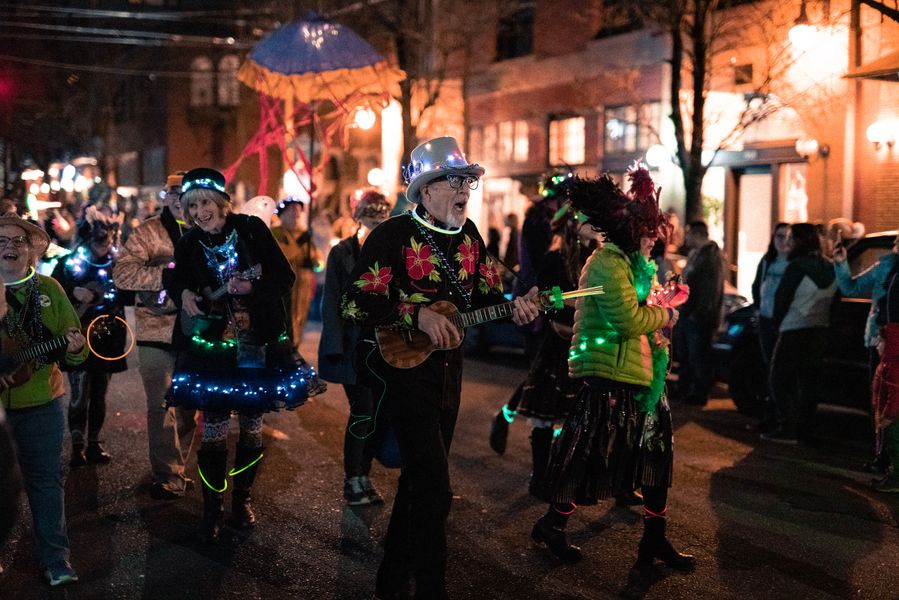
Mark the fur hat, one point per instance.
(434, 159)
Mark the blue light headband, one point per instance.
(209, 184)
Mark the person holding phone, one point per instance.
(871, 282)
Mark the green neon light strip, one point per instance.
(203, 477)
(509, 415)
(362, 419)
(232, 472)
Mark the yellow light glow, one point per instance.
(365, 118)
(376, 177)
(803, 36)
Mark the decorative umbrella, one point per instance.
(306, 63)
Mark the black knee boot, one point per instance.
(549, 531)
(246, 465)
(655, 545)
(541, 443)
(212, 465)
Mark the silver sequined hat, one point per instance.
(433, 159)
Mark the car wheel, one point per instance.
(747, 379)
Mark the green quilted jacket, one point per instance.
(610, 329)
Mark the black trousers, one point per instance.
(796, 376)
(423, 405)
(360, 441)
(87, 406)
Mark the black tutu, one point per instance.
(548, 392)
(608, 447)
(213, 381)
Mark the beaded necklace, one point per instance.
(451, 275)
(30, 317)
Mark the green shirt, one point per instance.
(58, 315)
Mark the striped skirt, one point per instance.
(608, 447)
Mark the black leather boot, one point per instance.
(541, 443)
(212, 465)
(655, 545)
(78, 459)
(499, 430)
(97, 454)
(549, 531)
(246, 465)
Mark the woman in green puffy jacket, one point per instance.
(619, 435)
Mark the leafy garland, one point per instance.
(647, 399)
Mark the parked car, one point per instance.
(738, 358)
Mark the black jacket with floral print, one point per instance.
(400, 269)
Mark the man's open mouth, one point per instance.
(10, 256)
(460, 205)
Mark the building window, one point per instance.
(743, 74)
(476, 144)
(506, 141)
(201, 82)
(521, 142)
(515, 32)
(228, 85)
(618, 16)
(490, 144)
(566, 141)
(631, 128)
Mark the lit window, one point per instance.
(476, 143)
(490, 144)
(506, 141)
(566, 141)
(521, 141)
(228, 85)
(201, 80)
(632, 128)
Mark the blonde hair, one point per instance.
(198, 194)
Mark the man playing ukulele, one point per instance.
(408, 263)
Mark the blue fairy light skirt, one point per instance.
(242, 389)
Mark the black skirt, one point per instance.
(608, 447)
(548, 392)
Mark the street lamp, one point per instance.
(803, 33)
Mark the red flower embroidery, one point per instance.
(420, 261)
(467, 256)
(375, 281)
(404, 308)
(491, 278)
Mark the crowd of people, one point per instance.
(221, 300)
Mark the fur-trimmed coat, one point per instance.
(140, 267)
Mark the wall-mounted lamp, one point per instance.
(810, 148)
(883, 131)
(364, 118)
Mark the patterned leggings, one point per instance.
(216, 425)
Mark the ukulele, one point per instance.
(18, 361)
(200, 324)
(408, 348)
(671, 295)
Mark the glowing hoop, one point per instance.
(87, 338)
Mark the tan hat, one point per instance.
(40, 241)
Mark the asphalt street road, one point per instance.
(764, 521)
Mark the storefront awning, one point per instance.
(885, 68)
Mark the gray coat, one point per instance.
(339, 337)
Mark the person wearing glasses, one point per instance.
(408, 263)
(39, 312)
(145, 264)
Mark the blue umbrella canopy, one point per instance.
(315, 59)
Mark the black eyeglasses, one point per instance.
(457, 181)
